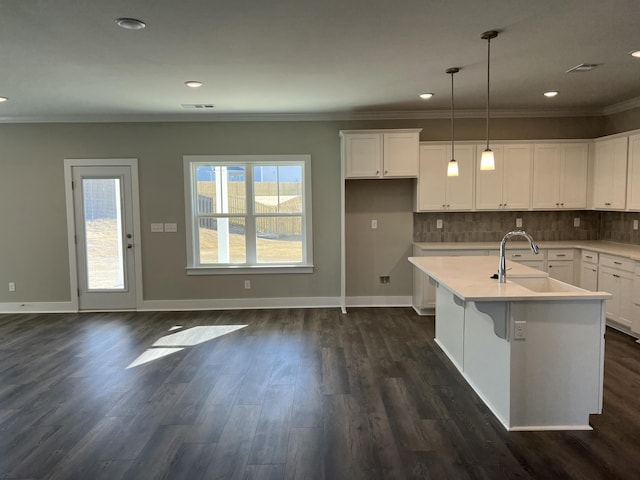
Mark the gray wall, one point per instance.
(33, 238)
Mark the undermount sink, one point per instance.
(545, 284)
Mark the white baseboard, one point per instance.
(380, 301)
(38, 307)
(239, 303)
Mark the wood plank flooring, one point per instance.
(292, 394)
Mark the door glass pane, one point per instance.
(279, 239)
(102, 206)
(222, 240)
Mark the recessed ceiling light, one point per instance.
(550, 94)
(193, 84)
(3, 99)
(426, 96)
(635, 53)
(130, 23)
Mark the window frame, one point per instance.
(190, 162)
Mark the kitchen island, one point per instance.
(532, 348)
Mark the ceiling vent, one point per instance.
(197, 106)
(583, 67)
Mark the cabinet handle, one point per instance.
(561, 255)
(618, 263)
(550, 266)
(448, 205)
(616, 276)
(588, 256)
(516, 255)
(562, 204)
(594, 270)
(386, 171)
(377, 172)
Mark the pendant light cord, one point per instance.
(488, 77)
(452, 116)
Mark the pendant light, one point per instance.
(487, 161)
(452, 166)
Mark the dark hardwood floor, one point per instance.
(294, 394)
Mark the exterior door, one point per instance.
(104, 237)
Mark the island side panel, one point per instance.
(487, 355)
(450, 325)
(556, 371)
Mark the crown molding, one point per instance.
(622, 106)
(319, 116)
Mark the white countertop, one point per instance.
(612, 248)
(469, 279)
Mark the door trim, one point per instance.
(132, 163)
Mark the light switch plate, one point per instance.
(576, 222)
(439, 223)
(171, 227)
(157, 228)
(374, 224)
(635, 224)
(519, 222)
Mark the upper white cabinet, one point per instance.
(508, 186)
(610, 174)
(560, 176)
(435, 191)
(380, 153)
(633, 177)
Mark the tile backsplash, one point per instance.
(556, 225)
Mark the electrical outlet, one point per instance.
(635, 224)
(439, 223)
(519, 222)
(521, 330)
(576, 222)
(247, 284)
(374, 224)
(12, 286)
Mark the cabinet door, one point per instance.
(459, 194)
(489, 182)
(431, 186)
(363, 155)
(573, 176)
(610, 173)
(589, 277)
(633, 180)
(625, 314)
(546, 176)
(561, 270)
(607, 282)
(516, 183)
(400, 158)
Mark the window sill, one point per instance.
(245, 270)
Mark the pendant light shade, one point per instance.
(487, 161)
(452, 167)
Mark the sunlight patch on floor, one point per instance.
(175, 342)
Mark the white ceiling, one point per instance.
(67, 60)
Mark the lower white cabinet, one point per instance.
(589, 277)
(560, 264)
(619, 283)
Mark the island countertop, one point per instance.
(469, 279)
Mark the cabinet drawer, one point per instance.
(589, 257)
(522, 255)
(560, 254)
(620, 263)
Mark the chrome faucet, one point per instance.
(502, 269)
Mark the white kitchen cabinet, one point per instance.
(560, 264)
(380, 153)
(635, 302)
(615, 275)
(508, 186)
(434, 190)
(610, 174)
(589, 270)
(560, 176)
(633, 174)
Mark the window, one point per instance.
(248, 213)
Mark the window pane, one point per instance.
(278, 189)
(220, 189)
(103, 233)
(279, 239)
(222, 240)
